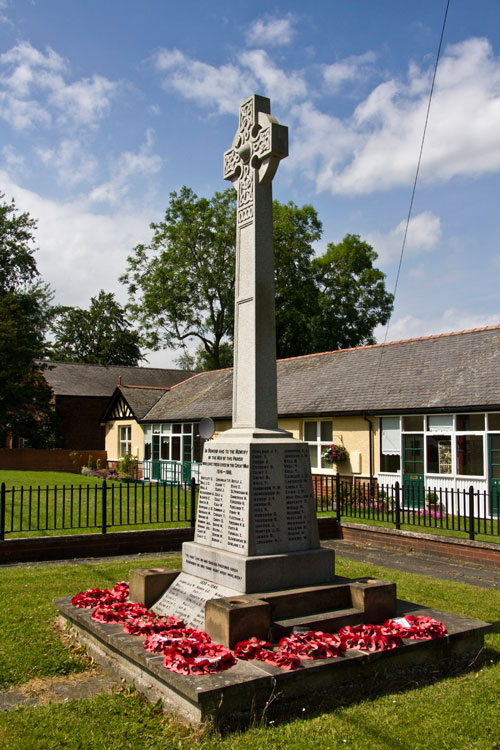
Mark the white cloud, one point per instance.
(13, 159)
(423, 236)
(22, 114)
(80, 252)
(320, 144)
(283, 88)
(35, 90)
(85, 101)
(71, 161)
(224, 88)
(349, 69)
(452, 319)
(377, 148)
(127, 165)
(271, 32)
(220, 88)
(3, 5)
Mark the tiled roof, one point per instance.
(443, 373)
(140, 399)
(72, 379)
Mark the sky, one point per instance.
(108, 107)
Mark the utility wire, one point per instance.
(416, 179)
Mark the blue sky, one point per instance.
(106, 107)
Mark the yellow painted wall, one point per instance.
(222, 427)
(113, 438)
(291, 425)
(352, 431)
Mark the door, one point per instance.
(155, 459)
(494, 452)
(413, 471)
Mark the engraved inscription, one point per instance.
(224, 499)
(297, 491)
(186, 598)
(267, 490)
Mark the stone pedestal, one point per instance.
(256, 527)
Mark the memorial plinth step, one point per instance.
(310, 567)
(273, 615)
(327, 622)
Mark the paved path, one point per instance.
(416, 562)
(412, 562)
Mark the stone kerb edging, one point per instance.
(452, 548)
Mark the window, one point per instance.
(494, 422)
(470, 422)
(440, 423)
(437, 444)
(178, 441)
(319, 434)
(125, 440)
(439, 454)
(470, 455)
(390, 444)
(413, 423)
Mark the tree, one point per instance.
(17, 263)
(25, 398)
(352, 298)
(295, 230)
(182, 283)
(26, 408)
(100, 335)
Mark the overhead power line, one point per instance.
(416, 176)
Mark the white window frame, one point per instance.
(431, 428)
(319, 444)
(166, 431)
(124, 440)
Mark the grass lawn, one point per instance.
(21, 478)
(53, 503)
(458, 712)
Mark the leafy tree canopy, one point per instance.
(181, 285)
(352, 298)
(100, 335)
(25, 398)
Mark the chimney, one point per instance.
(119, 379)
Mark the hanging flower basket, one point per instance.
(335, 454)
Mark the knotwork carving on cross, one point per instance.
(258, 146)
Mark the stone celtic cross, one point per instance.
(250, 164)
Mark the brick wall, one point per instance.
(79, 421)
(444, 547)
(31, 459)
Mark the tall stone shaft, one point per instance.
(258, 146)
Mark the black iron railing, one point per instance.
(101, 507)
(116, 505)
(469, 511)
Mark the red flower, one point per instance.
(197, 658)
(249, 649)
(119, 612)
(312, 645)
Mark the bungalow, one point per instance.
(423, 412)
(81, 393)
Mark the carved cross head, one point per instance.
(260, 142)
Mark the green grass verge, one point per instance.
(45, 479)
(50, 504)
(458, 712)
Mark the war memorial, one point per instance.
(256, 568)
